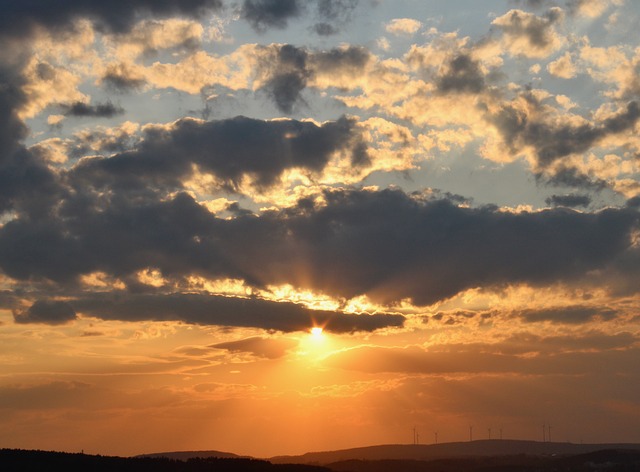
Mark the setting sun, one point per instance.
(316, 332)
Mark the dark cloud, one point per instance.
(452, 318)
(462, 75)
(48, 312)
(553, 141)
(12, 129)
(262, 347)
(331, 15)
(265, 14)
(291, 68)
(390, 247)
(99, 141)
(120, 78)
(634, 202)
(351, 60)
(383, 244)
(289, 78)
(568, 315)
(205, 309)
(27, 185)
(571, 201)
(230, 149)
(19, 18)
(571, 177)
(100, 110)
(325, 29)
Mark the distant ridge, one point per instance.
(422, 452)
(607, 460)
(186, 455)
(19, 460)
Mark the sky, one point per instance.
(450, 190)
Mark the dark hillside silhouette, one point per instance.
(16, 460)
(427, 452)
(606, 460)
(186, 455)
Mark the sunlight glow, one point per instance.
(316, 332)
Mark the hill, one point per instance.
(610, 460)
(420, 452)
(186, 455)
(604, 460)
(17, 460)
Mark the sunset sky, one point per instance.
(450, 189)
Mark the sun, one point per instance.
(316, 332)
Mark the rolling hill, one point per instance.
(496, 447)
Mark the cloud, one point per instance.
(205, 309)
(289, 69)
(634, 202)
(568, 315)
(588, 8)
(118, 16)
(403, 26)
(231, 150)
(324, 29)
(100, 110)
(48, 312)
(480, 358)
(289, 77)
(149, 37)
(12, 97)
(338, 60)
(563, 67)
(564, 176)
(122, 78)
(333, 15)
(526, 123)
(264, 14)
(612, 65)
(23, 174)
(269, 348)
(41, 78)
(384, 244)
(9, 300)
(529, 35)
(463, 75)
(44, 396)
(571, 201)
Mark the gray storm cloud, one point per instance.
(384, 244)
